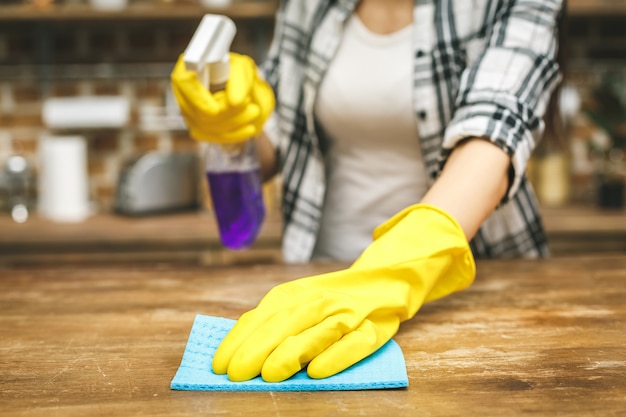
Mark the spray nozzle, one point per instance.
(207, 52)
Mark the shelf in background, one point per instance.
(596, 7)
(238, 10)
(136, 11)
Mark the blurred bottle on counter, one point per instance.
(551, 161)
(552, 176)
(18, 188)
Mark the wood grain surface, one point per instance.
(536, 338)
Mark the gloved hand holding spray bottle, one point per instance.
(227, 119)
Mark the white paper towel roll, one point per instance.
(63, 191)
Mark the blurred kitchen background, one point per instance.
(86, 109)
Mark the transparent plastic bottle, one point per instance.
(233, 173)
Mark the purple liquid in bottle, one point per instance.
(238, 204)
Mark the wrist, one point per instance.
(473, 182)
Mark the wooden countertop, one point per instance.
(541, 338)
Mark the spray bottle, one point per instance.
(232, 171)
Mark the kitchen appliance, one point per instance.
(158, 182)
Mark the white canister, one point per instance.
(109, 5)
(63, 189)
(217, 4)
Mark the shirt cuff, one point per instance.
(502, 127)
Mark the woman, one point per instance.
(419, 116)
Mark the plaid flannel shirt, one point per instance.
(482, 68)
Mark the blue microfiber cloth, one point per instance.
(383, 369)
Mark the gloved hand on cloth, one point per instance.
(230, 116)
(331, 321)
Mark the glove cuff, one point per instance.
(426, 232)
(383, 228)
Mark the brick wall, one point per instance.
(130, 58)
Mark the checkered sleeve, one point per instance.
(504, 94)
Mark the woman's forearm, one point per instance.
(472, 183)
(470, 187)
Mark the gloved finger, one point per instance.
(238, 135)
(354, 346)
(193, 97)
(249, 347)
(185, 107)
(263, 95)
(247, 362)
(296, 351)
(247, 324)
(241, 79)
(245, 115)
(235, 337)
(180, 73)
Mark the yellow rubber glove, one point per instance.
(331, 321)
(233, 115)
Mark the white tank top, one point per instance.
(374, 163)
